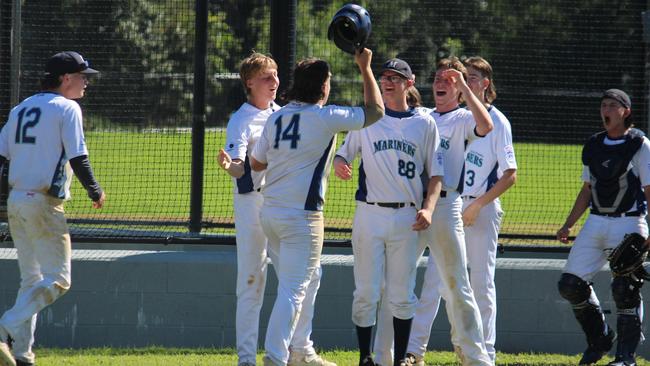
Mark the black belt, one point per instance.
(622, 214)
(469, 197)
(392, 204)
(443, 194)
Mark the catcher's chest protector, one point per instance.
(614, 187)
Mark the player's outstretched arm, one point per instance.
(579, 207)
(234, 167)
(342, 168)
(507, 180)
(373, 104)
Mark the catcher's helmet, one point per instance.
(350, 28)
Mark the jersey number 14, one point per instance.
(289, 134)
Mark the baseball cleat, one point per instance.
(621, 362)
(23, 363)
(596, 351)
(6, 358)
(413, 360)
(368, 361)
(300, 359)
(268, 361)
(246, 364)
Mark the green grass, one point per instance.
(147, 176)
(227, 357)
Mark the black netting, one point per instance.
(551, 59)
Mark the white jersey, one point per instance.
(395, 151)
(42, 134)
(487, 158)
(456, 127)
(244, 128)
(298, 144)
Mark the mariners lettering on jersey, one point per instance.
(444, 142)
(474, 158)
(400, 145)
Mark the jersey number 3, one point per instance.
(31, 118)
(289, 134)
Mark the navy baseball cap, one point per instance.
(619, 96)
(67, 62)
(398, 66)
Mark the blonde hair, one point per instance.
(254, 64)
(484, 67)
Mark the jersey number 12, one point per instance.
(31, 119)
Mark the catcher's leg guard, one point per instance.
(626, 294)
(587, 311)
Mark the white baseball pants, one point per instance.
(482, 240)
(600, 233)
(251, 272)
(446, 240)
(40, 235)
(295, 242)
(384, 247)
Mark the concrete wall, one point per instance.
(187, 299)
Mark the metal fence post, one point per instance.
(283, 39)
(199, 117)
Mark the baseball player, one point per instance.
(490, 169)
(395, 153)
(296, 148)
(259, 76)
(616, 189)
(44, 141)
(445, 237)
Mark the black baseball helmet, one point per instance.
(350, 28)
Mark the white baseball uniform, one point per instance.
(42, 134)
(485, 160)
(446, 241)
(395, 152)
(298, 145)
(244, 128)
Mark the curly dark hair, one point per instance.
(309, 76)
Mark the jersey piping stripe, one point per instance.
(245, 183)
(362, 190)
(314, 200)
(395, 114)
(640, 199)
(57, 187)
(443, 113)
(461, 181)
(492, 177)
